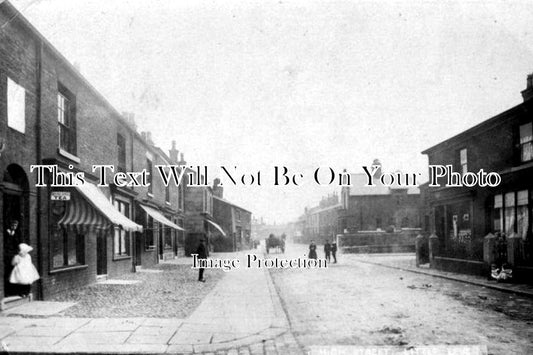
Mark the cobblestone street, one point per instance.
(356, 303)
(174, 292)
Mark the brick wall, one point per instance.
(18, 61)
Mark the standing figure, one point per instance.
(327, 250)
(24, 273)
(312, 250)
(202, 254)
(334, 251)
(12, 239)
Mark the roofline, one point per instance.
(485, 124)
(70, 67)
(230, 203)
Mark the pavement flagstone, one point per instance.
(242, 314)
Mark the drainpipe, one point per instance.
(38, 153)
(134, 235)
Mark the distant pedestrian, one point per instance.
(334, 251)
(24, 273)
(202, 254)
(327, 250)
(312, 250)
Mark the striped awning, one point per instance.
(158, 216)
(82, 216)
(219, 228)
(95, 211)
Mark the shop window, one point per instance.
(67, 244)
(66, 121)
(526, 142)
(167, 233)
(149, 233)
(121, 240)
(16, 106)
(522, 214)
(498, 213)
(509, 213)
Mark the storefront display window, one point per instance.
(509, 213)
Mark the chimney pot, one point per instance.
(528, 92)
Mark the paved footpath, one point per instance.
(242, 315)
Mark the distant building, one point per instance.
(235, 221)
(380, 207)
(321, 222)
(462, 216)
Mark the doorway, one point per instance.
(15, 219)
(101, 253)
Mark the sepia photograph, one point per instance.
(266, 177)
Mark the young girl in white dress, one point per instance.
(24, 273)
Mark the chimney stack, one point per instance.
(182, 160)
(378, 171)
(528, 92)
(173, 153)
(218, 190)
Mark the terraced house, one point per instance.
(50, 114)
(466, 218)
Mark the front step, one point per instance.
(14, 301)
(101, 277)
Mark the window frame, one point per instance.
(66, 120)
(150, 169)
(117, 203)
(529, 142)
(121, 153)
(64, 235)
(463, 163)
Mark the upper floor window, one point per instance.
(121, 147)
(238, 215)
(16, 106)
(167, 193)
(66, 122)
(149, 170)
(464, 161)
(181, 192)
(526, 142)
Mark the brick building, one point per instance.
(462, 216)
(380, 207)
(234, 220)
(50, 114)
(321, 222)
(199, 220)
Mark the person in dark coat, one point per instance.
(327, 250)
(334, 251)
(202, 254)
(12, 239)
(312, 250)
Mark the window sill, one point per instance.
(68, 155)
(150, 249)
(68, 268)
(167, 203)
(121, 257)
(149, 194)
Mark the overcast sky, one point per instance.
(297, 83)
